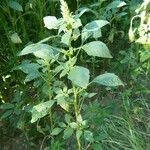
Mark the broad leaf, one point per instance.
(76, 23)
(41, 110)
(95, 25)
(97, 146)
(108, 79)
(6, 114)
(15, 38)
(66, 37)
(97, 48)
(81, 11)
(67, 132)
(115, 4)
(144, 55)
(15, 5)
(79, 133)
(56, 131)
(73, 125)
(50, 22)
(43, 51)
(79, 76)
(31, 69)
(7, 106)
(88, 135)
(63, 103)
(67, 118)
(92, 28)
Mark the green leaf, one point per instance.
(73, 125)
(77, 23)
(97, 146)
(43, 51)
(31, 69)
(97, 48)
(79, 76)
(7, 106)
(50, 22)
(41, 110)
(88, 135)
(15, 5)
(56, 131)
(108, 79)
(63, 104)
(67, 118)
(62, 124)
(145, 55)
(81, 11)
(76, 34)
(79, 133)
(67, 132)
(95, 25)
(6, 114)
(15, 38)
(115, 4)
(66, 38)
(92, 28)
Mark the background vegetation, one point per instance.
(113, 118)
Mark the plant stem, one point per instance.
(50, 96)
(77, 113)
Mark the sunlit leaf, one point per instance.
(79, 76)
(66, 38)
(108, 79)
(115, 4)
(50, 22)
(43, 51)
(63, 103)
(41, 110)
(31, 69)
(97, 48)
(92, 28)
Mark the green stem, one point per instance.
(77, 113)
(50, 96)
